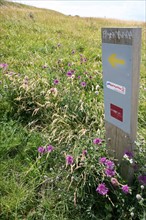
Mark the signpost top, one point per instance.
(119, 35)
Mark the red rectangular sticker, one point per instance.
(116, 112)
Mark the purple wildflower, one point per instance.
(73, 51)
(56, 81)
(69, 74)
(109, 164)
(84, 152)
(102, 189)
(69, 64)
(49, 148)
(109, 173)
(97, 141)
(69, 160)
(125, 189)
(41, 150)
(83, 84)
(129, 154)
(3, 65)
(79, 77)
(102, 160)
(142, 179)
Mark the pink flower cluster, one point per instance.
(103, 190)
(109, 166)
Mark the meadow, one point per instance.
(53, 154)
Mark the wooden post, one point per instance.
(121, 66)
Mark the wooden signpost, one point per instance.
(121, 66)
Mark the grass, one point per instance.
(40, 46)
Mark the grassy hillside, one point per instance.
(51, 106)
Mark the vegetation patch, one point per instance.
(54, 159)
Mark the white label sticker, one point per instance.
(115, 87)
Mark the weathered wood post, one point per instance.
(121, 66)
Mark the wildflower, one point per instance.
(3, 65)
(84, 152)
(69, 64)
(142, 179)
(56, 81)
(132, 214)
(79, 77)
(53, 90)
(50, 148)
(142, 186)
(73, 51)
(69, 160)
(109, 164)
(125, 189)
(114, 181)
(83, 84)
(102, 189)
(129, 154)
(102, 160)
(97, 141)
(109, 173)
(41, 150)
(69, 73)
(138, 196)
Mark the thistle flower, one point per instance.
(3, 65)
(84, 152)
(102, 160)
(56, 81)
(41, 150)
(83, 84)
(69, 160)
(69, 73)
(97, 141)
(126, 189)
(50, 148)
(109, 173)
(142, 179)
(129, 154)
(102, 189)
(109, 164)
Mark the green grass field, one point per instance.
(51, 93)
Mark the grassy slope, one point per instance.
(29, 39)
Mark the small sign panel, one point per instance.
(116, 112)
(116, 87)
(117, 80)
